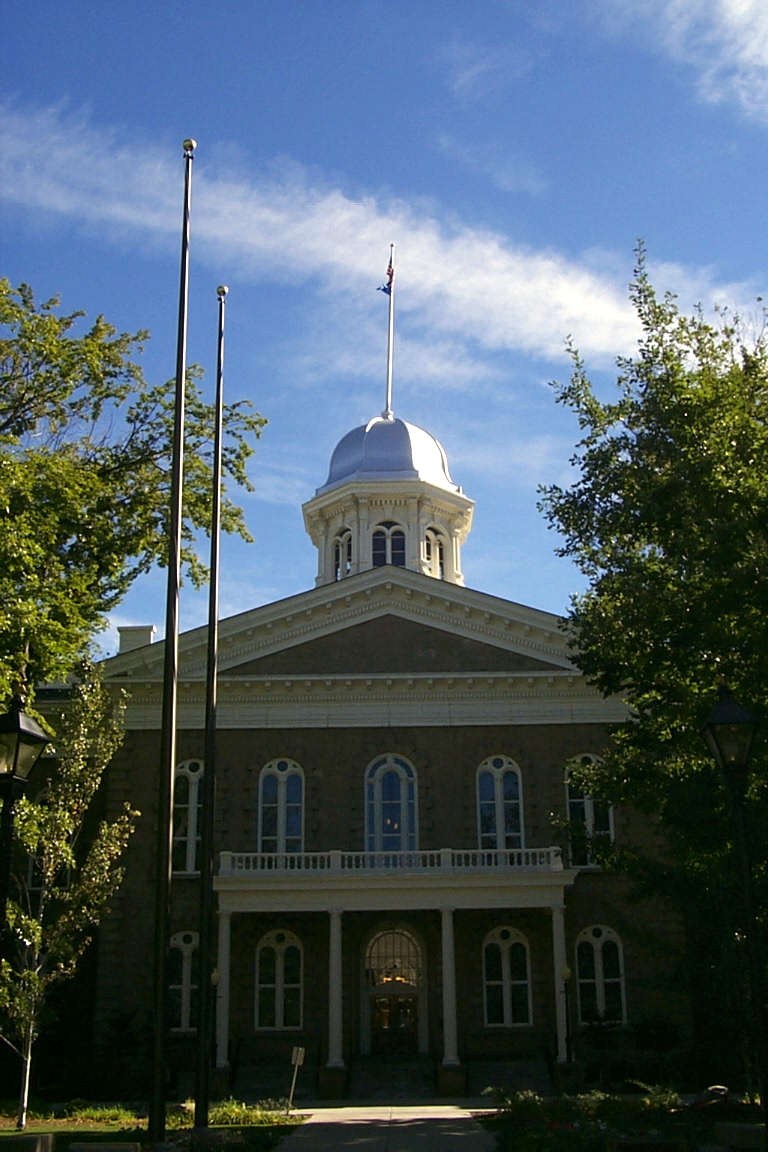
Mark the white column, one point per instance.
(335, 1055)
(450, 1035)
(559, 962)
(222, 997)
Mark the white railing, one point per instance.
(442, 860)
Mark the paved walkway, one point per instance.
(390, 1128)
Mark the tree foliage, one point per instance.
(67, 867)
(668, 519)
(85, 451)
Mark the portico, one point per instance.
(393, 884)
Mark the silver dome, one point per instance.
(388, 449)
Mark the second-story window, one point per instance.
(281, 807)
(589, 820)
(390, 805)
(388, 545)
(499, 804)
(187, 813)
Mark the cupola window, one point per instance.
(434, 553)
(388, 545)
(342, 554)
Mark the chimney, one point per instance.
(134, 636)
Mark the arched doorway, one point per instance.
(393, 1000)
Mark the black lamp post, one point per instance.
(730, 732)
(21, 744)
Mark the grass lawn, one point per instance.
(236, 1127)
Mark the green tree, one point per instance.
(66, 869)
(668, 519)
(85, 449)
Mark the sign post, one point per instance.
(297, 1059)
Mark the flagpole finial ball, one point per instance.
(189, 145)
(222, 290)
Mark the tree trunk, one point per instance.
(26, 1067)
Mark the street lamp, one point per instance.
(21, 744)
(729, 732)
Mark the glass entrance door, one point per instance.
(394, 1025)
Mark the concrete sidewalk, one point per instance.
(390, 1128)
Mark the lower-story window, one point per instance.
(506, 979)
(600, 975)
(278, 981)
(183, 981)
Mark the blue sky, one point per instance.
(515, 150)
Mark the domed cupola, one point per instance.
(388, 449)
(389, 497)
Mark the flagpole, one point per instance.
(205, 1004)
(164, 858)
(388, 414)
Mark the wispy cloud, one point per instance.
(473, 70)
(466, 293)
(492, 160)
(725, 42)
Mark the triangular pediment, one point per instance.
(387, 647)
(391, 644)
(386, 621)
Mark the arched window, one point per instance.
(187, 813)
(342, 554)
(434, 553)
(588, 819)
(390, 805)
(393, 960)
(388, 545)
(183, 981)
(499, 804)
(281, 807)
(600, 975)
(506, 979)
(279, 981)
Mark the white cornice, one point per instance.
(341, 701)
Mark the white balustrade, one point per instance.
(483, 860)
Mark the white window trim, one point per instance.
(374, 774)
(515, 937)
(289, 941)
(586, 935)
(589, 810)
(186, 943)
(435, 552)
(192, 837)
(509, 765)
(342, 554)
(271, 769)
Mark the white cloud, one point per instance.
(466, 293)
(724, 41)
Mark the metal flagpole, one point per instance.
(388, 413)
(205, 949)
(156, 1126)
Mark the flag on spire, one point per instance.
(389, 283)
